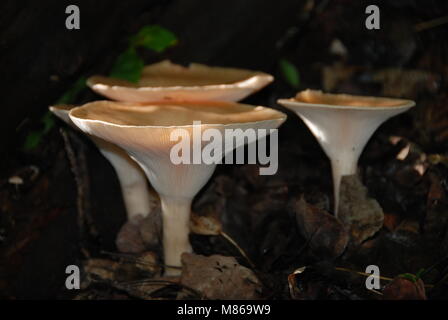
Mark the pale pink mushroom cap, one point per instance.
(166, 81)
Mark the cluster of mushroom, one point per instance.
(134, 131)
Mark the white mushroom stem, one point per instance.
(177, 185)
(342, 135)
(342, 166)
(176, 229)
(344, 145)
(134, 186)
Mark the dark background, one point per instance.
(40, 59)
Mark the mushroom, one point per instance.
(343, 124)
(137, 197)
(166, 81)
(145, 132)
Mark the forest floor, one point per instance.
(272, 237)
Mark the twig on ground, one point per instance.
(431, 24)
(78, 166)
(241, 251)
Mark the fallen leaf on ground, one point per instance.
(362, 215)
(151, 229)
(140, 233)
(148, 262)
(129, 239)
(219, 277)
(327, 236)
(404, 289)
(205, 225)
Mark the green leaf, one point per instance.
(153, 37)
(420, 273)
(128, 66)
(70, 95)
(48, 121)
(32, 140)
(290, 73)
(409, 276)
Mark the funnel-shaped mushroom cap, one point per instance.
(136, 195)
(145, 133)
(342, 120)
(166, 81)
(61, 111)
(343, 124)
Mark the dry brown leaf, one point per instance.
(327, 236)
(219, 277)
(403, 289)
(362, 215)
